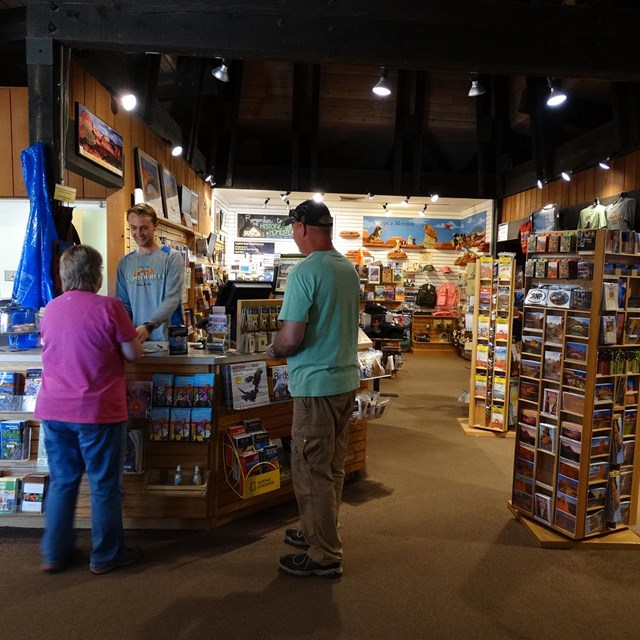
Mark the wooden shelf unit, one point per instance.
(577, 451)
(437, 328)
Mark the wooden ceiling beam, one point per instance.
(488, 37)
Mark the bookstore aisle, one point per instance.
(431, 551)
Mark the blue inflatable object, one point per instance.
(33, 285)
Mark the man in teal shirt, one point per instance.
(319, 338)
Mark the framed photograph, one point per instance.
(195, 204)
(98, 142)
(575, 351)
(569, 450)
(185, 205)
(543, 507)
(148, 179)
(170, 195)
(527, 434)
(547, 437)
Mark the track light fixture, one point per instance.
(566, 176)
(556, 96)
(539, 183)
(284, 196)
(434, 197)
(382, 87)
(209, 180)
(386, 211)
(605, 164)
(318, 197)
(371, 196)
(222, 72)
(405, 202)
(265, 203)
(476, 88)
(176, 150)
(424, 210)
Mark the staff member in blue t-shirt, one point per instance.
(319, 337)
(150, 279)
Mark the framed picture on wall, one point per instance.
(148, 179)
(98, 142)
(170, 195)
(195, 204)
(185, 205)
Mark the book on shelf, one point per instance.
(42, 459)
(32, 381)
(201, 421)
(10, 494)
(34, 491)
(15, 440)
(134, 453)
(246, 385)
(139, 393)
(11, 383)
(279, 382)
(183, 390)
(159, 423)
(180, 424)
(608, 329)
(162, 390)
(203, 389)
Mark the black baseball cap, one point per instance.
(310, 212)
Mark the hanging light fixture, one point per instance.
(476, 88)
(221, 72)
(382, 87)
(566, 176)
(424, 210)
(605, 164)
(556, 97)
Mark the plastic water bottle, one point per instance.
(177, 478)
(197, 476)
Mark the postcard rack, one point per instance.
(491, 400)
(576, 455)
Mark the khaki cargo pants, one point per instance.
(318, 449)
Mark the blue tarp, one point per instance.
(33, 285)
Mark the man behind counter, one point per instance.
(150, 279)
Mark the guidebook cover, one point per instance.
(248, 384)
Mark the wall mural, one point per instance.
(442, 234)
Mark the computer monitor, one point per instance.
(233, 290)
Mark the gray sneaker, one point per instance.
(126, 556)
(296, 538)
(300, 564)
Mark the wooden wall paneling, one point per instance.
(590, 186)
(580, 180)
(76, 94)
(607, 180)
(20, 136)
(538, 199)
(572, 190)
(7, 160)
(506, 210)
(617, 172)
(630, 172)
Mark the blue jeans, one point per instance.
(73, 447)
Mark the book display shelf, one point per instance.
(490, 402)
(576, 457)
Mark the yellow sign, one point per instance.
(63, 193)
(256, 484)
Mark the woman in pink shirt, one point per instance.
(82, 406)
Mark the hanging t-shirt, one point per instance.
(593, 217)
(621, 214)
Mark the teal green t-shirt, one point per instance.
(323, 291)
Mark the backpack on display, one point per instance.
(427, 296)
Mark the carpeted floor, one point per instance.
(431, 551)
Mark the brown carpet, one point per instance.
(431, 551)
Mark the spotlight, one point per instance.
(283, 196)
(371, 196)
(556, 97)
(424, 211)
(318, 197)
(539, 183)
(265, 203)
(476, 88)
(405, 202)
(604, 164)
(382, 87)
(566, 176)
(222, 72)
(386, 211)
(210, 181)
(176, 150)
(128, 101)
(434, 197)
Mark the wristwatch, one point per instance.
(149, 326)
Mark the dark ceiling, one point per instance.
(298, 112)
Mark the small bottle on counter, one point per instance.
(197, 476)
(177, 478)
